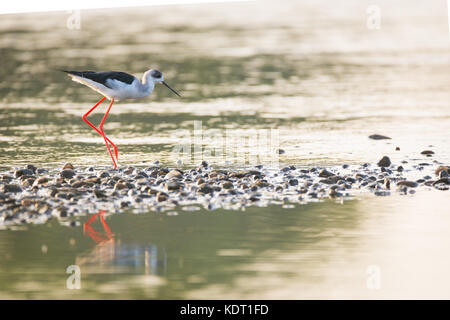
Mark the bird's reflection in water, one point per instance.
(111, 255)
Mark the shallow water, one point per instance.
(310, 69)
(319, 250)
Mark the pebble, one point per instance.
(67, 174)
(378, 137)
(172, 185)
(443, 174)
(384, 162)
(227, 185)
(41, 181)
(68, 166)
(103, 174)
(406, 183)
(174, 174)
(161, 196)
(13, 188)
(427, 152)
(325, 173)
(23, 172)
(442, 168)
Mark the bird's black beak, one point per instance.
(164, 83)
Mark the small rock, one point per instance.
(204, 188)
(442, 168)
(172, 185)
(103, 174)
(384, 162)
(325, 173)
(41, 170)
(227, 185)
(67, 174)
(99, 194)
(14, 188)
(442, 180)
(31, 167)
(387, 183)
(281, 151)
(378, 137)
(427, 152)
(68, 166)
(77, 184)
(26, 202)
(41, 181)
(334, 193)
(407, 183)
(177, 174)
(161, 196)
(397, 148)
(129, 171)
(23, 172)
(443, 174)
(120, 186)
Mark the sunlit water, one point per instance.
(310, 69)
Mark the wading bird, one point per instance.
(117, 86)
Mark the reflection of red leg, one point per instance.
(105, 225)
(103, 133)
(88, 230)
(92, 126)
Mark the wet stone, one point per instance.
(161, 196)
(443, 174)
(227, 185)
(103, 174)
(12, 188)
(384, 162)
(68, 166)
(325, 173)
(172, 185)
(442, 168)
(32, 168)
(177, 174)
(378, 137)
(406, 183)
(67, 174)
(100, 194)
(21, 172)
(204, 188)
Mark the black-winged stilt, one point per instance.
(116, 85)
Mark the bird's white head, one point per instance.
(155, 76)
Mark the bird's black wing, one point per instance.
(103, 77)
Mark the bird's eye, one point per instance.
(156, 74)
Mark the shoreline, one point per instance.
(34, 195)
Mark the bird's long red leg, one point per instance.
(93, 127)
(103, 133)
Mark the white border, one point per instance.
(23, 6)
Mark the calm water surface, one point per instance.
(311, 69)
